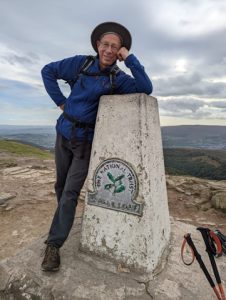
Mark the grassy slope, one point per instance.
(21, 149)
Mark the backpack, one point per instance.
(83, 70)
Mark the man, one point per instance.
(89, 80)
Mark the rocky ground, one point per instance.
(27, 204)
(27, 201)
(197, 201)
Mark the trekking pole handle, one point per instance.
(217, 242)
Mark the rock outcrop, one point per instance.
(218, 200)
(208, 193)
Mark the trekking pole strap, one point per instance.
(183, 250)
(209, 236)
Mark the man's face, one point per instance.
(108, 47)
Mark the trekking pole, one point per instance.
(209, 236)
(195, 254)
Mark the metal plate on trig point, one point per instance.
(116, 187)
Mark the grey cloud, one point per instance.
(205, 53)
(62, 28)
(18, 88)
(189, 84)
(192, 108)
(187, 114)
(13, 58)
(178, 105)
(43, 31)
(218, 104)
(201, 115)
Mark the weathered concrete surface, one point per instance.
(128, 128)
(88, 277)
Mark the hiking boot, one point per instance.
(51, 261)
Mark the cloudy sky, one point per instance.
(181, 43)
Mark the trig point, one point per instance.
(126, 216)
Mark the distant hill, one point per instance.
(185, 136)
(41, 136)
(195, 150)
(194, 136)
(202, 163)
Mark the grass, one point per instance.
(21, 149)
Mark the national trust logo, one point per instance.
(116, 187)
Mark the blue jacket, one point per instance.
(82, 103)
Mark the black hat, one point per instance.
(111, 27)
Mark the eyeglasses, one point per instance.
(113, 47)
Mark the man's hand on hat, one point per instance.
(122, 54)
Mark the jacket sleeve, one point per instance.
(139, 84)
(65, 69)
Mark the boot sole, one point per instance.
(51, 269)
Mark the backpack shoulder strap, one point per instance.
(84, 67)
(112, 75)
(115, 70)
(87, 63)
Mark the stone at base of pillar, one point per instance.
(126, 214)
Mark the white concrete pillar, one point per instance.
(126, 214)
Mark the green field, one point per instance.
(25, 150)
(208, 164)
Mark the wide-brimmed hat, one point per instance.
(111, 27)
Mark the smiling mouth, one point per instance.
(108, 57)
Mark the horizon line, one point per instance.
(191, 125)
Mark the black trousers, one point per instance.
(71, 172)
